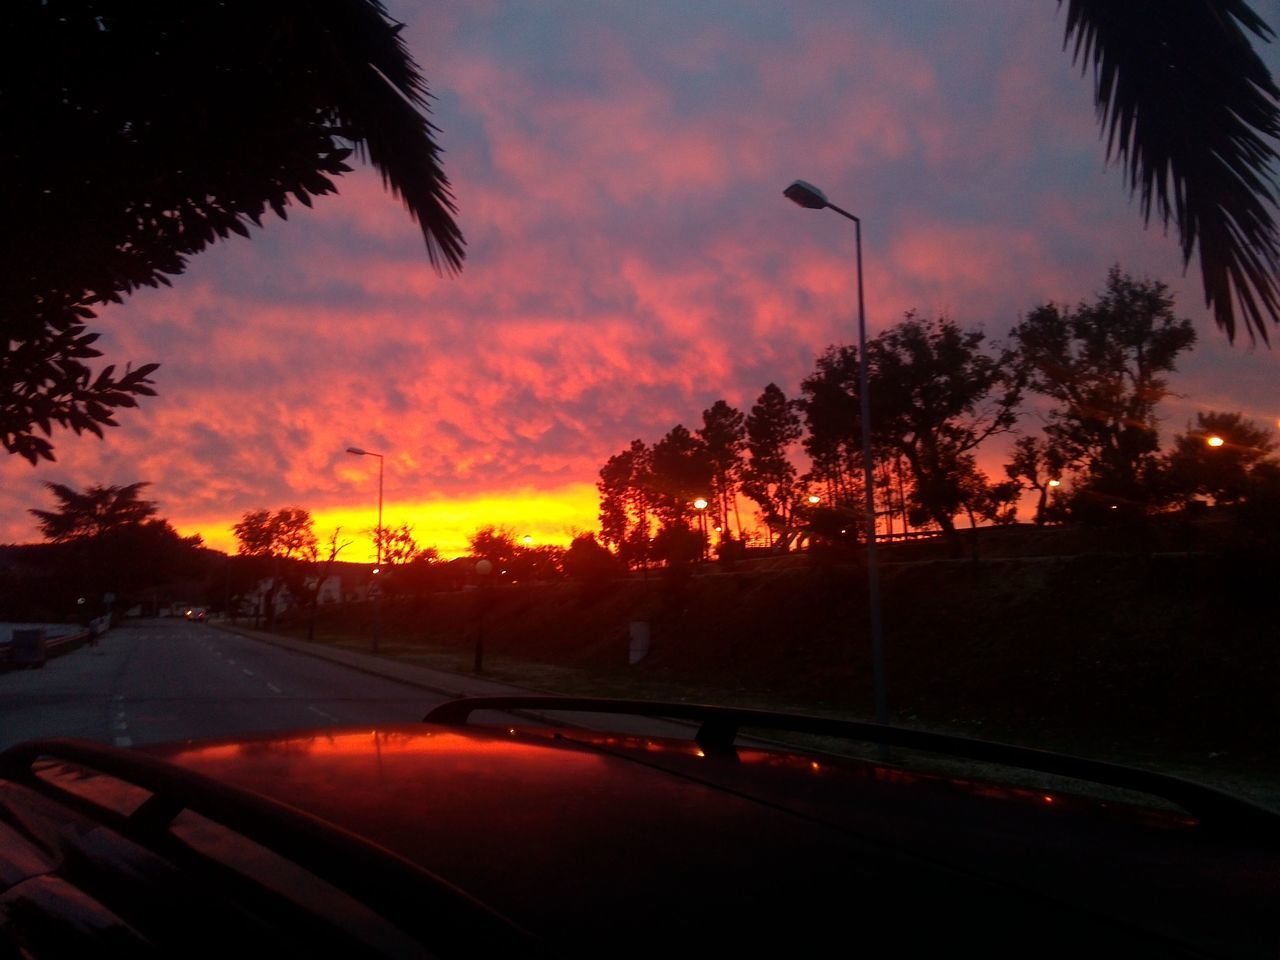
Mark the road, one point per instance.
(158, 680)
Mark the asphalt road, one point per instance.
(158, 680)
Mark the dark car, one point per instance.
(528, 838)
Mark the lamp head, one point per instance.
(807, 195)
(356, 450)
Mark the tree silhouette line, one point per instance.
(1093, 375)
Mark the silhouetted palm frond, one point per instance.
(1192, 113)
(382, 101)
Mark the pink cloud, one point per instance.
(631, 256)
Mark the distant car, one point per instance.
(525, 839)
(196, 613)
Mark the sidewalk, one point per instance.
(456, 685)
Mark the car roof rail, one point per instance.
(718, 728)
(446, 919)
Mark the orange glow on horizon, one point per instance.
(550, 517)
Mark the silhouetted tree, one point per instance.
(679, 473)
(833, 439)
(92, 513)
(515, 561)
(1103, 364)
(586, 560)
(287, 534)
(724, 439)
(287, 538)
(769, 476)
(112, 544)
(398, 546)
(1038, 464)
(321, 570)
(1222, 471)
(138, 132)
(626, 503)
(936, 395)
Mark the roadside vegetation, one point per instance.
(1054, 639)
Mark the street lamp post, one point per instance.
(810, 197)
(701, 506)
(377, 544)
(483, 568)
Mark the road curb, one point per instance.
(438, 681)
(426, 678)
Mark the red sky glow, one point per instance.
(631, 259)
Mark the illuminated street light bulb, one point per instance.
(700, 504)
(1215, 441)
(1055, 482)
(814, 499)
(527, 539)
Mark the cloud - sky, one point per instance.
(631, 259)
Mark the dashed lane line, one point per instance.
(321, 713)
(273, 688)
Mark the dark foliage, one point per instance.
(938, 392)
(1223, 470)
(1104, 365)
(108, 549)
(769, 476)
(138, 132)
(96, 511)
(1192, 113)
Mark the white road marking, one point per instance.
(231, 663)
(123, 742)
(246, 671)
(273, 688)
(318, 712)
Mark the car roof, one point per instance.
(590, 838)
(604, 842)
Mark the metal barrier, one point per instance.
(32, 646)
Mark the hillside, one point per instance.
(1169, 656)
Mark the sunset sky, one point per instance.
(619, 171)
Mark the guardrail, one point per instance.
(31, 651)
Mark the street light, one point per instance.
(811, 198)
(1215, 441)
(377, 541)
(701, 506)
(483, 568)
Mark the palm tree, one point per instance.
(1193, 115)
(138, 132)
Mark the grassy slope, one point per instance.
(1170, 657)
